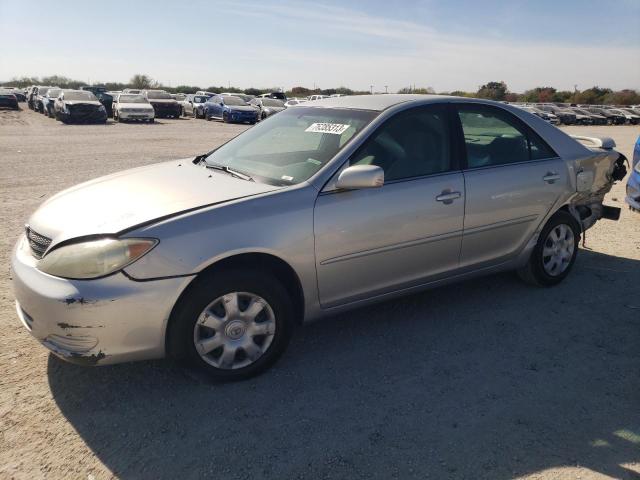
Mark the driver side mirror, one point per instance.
(360, 176)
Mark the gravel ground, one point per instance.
(488, 379)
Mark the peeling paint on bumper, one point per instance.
(93, 322)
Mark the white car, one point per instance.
(129, 106)
(294, 101)
(317, 97)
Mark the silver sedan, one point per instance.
(324, 207)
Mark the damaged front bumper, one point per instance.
(90, 322)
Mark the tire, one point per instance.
(194, 113)
(152, 120)
(212, 293)
(539, 270)
(225, 117)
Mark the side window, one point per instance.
(413, 143)
(539, 149)
(491, 137)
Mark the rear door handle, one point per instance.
(448, 197)
(551, 177)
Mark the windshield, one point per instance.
(233, 101)
(80, 95)
(292, 146)
(54, 92)
(270, 102)
(132, 99)
(43, 91)
(200, 99)
(158, 96)
(581, 112)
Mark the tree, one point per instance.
(419, 90)
(255, 91)
(141, 81)
(186, 89)
(493, 91)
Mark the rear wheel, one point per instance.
(555, 253)
(233, 325)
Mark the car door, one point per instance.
(377, 240)
(512, 178)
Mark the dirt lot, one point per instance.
(488, 379)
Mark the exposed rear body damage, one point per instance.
(595, 175)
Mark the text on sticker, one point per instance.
(335, 128)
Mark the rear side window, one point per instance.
(495, 137)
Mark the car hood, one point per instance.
(241, 108)
(162, 100)
(135, 105)
(83, 102)
(123, 200)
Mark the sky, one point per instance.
(444, 44)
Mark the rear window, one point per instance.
(159, 96)
(271, 102)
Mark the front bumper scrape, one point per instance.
(103, 321)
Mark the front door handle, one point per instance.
(448, 197)
(551, 177)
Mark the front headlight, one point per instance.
(96, 258)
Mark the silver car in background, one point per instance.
(324, 207)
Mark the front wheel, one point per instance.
(234, 324)
(555, 253)
(225, 117)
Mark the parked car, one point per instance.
(317, 97)
(629, 117)
(79, 106)
(38, 100)
(194, 105)
(566, 117)
(48, 101)
(132, 90)
(128, 106)
(276, 95)
(8, 99)
(547, 116)
(323, 208)
(595, 119)
(18, 92)
(31, 93)
(267, 106)
(612, 118)
(243, 96)
(294, 101)
(206, 93)
(633, 183)
(230, 108)
(162, 103)
(634, 111)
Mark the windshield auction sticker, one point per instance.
(334, 128)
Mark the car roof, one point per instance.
(377, 102)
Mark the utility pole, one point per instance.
(386, 89)
(371, 89)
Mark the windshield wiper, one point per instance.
(230, 171)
